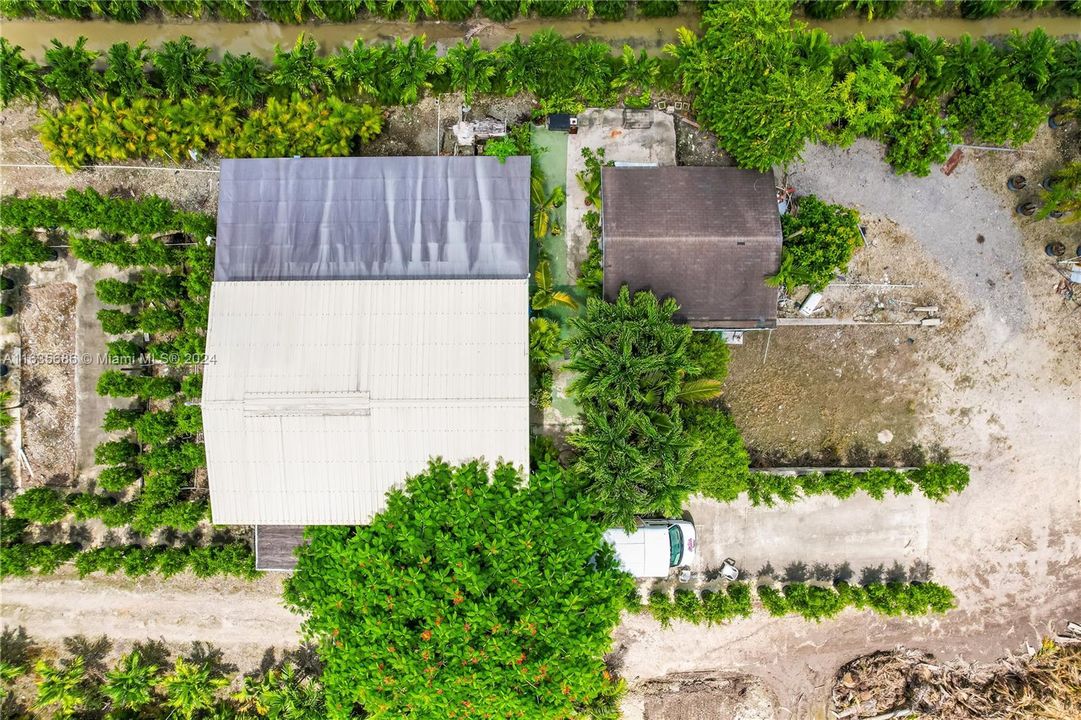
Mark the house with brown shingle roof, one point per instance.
(707, 236)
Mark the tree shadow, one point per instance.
(17, 648)
(93, 651)
(306, 660)
(796, 572)
(203, 653)
(914, 455)
(768, 571)
(858, 455)
(153, 652)
(80, 535)
(896, 573)
(843, 573)
(920, 572)
(871, 575)
(822, 571)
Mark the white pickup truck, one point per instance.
(655, 547)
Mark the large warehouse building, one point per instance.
(367, 315)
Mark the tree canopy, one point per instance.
(472, 595)
(819, 239)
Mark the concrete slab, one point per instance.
(860, 531)
(605, 129)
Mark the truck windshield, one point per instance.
(675, 537)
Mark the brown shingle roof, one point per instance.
(707, 236)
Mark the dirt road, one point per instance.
(241, 619)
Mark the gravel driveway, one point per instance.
(946, 214)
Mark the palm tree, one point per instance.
(191, 688)
(130, 685)
(184, 67)
(700, 390)
(543, 205)
(62, 687)
(546, 296)
(243, 78)
(471, 69)
(354, 69)
(300, 70)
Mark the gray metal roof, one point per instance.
(373, 218)
(707, 236)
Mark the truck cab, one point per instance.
(655, 547)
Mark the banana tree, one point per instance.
(544, 205)
(545, 295)
(62, 687)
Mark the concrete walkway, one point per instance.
(90, 343)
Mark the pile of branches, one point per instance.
(1045, 683)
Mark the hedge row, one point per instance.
(812, 602)
(894, 598)
(158, 505)
(236, 559)
(709, 608)
(936, 481)
(80, 210)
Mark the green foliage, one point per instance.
(115, 292)
(243, 79)
(125, 71)
(1064, 195)
(719, 462)
(114, 383)
(466, 589)
(814, 602)
(920, 137)
(657, 8)
(868, 100)
(191, 688)
(117, 479)
(117, 322)
(42, 505)
(184, 68)
(936, 481)
(300, 72)
(120, 419)
(18, 76)
(315, 127)
(130, 684)
(189, 419)
(156, 428)
(713, 606)
(71, 73)
(23, 248)
(157, 320)
(631, 360)
(819, 239)
(471, 69)
(192, 385)
(760, 81)
(1002, 113)
(115, 452)
(62, 688)
(87, 209)
(591, 271)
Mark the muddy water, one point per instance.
(651, 34)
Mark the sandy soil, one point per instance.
(1001, 390)
(47, 387)
(241, 618)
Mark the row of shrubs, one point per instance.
(79, 210)
(339, 11)
(813, 602)
(236, 559)
(935, 481)
(158, 505)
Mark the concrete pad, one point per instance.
(860, 531)
(604, 129)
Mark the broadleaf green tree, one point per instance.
(469, 595)
(819, 239)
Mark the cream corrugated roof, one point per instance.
(319, 396)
